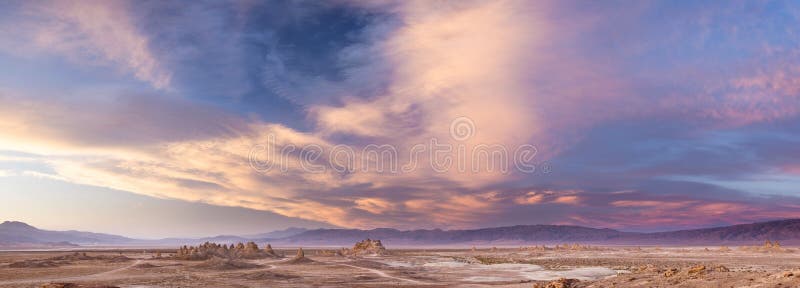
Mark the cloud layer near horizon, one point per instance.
(659, 115)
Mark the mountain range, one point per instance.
(18, 234)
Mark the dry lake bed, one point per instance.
(481, 267)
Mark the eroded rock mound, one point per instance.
(36, 264)
(670, 272)
(66, 259)
(73, 257)
(369, 247)
(767, 247)
(299, 258)
(721, 268)
(697, 271)
(268, 250)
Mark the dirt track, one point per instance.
(619, 267)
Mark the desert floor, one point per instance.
(509, 267)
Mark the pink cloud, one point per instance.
(88, 33)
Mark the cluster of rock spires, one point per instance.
(209, 250)
(368, 247)
(769, 246)
(250, 250)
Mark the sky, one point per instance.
(195, 118)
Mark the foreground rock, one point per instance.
(697, 271)
(560, 283)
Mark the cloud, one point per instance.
(87, 32)
(374, 205)
(610, 114)
(7, 173)
(107, 121)
(572, 200)
(530, 198)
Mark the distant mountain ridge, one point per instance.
(288, 232)
(13, 234)
(786, 231)
(519, 233)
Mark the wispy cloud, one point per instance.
(87, 32)
(611, 115)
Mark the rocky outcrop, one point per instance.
(368, 247)
(560, 283)
(696, 271)
(721, 268)
(36, 264)
(299, 258)
(767, 247)
(66, 259)
(268, 250)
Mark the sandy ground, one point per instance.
(599, 267)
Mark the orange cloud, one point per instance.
(572, 200)
(529, 198)
(651, 203)
(374, 205)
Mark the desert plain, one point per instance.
(528, 266)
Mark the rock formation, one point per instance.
(209, 250)
(768, 246)
(299, 258)
(696, 271)
(368, 247)
(560, 283)
(721, 268)
(270, 252)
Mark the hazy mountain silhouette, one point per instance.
(288, 232)
(13, 232)
(786, 231)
